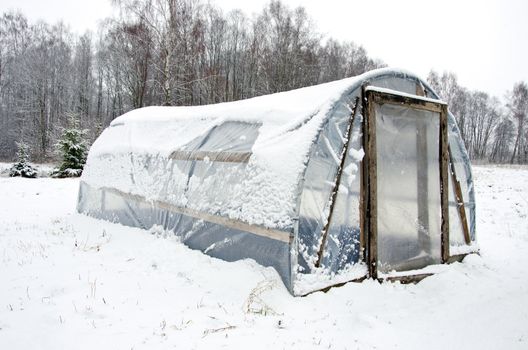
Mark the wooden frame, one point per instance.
(373, 96)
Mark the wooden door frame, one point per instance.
(371, 97)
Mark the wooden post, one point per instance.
(372, 206)
(461, 208)
(364, 198)
(444, 183)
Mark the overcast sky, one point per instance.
(484, 42)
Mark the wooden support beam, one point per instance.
(213, 156)
(444, 183)
(407, 279)
(461, 209)
(275, 234)
(372, 206)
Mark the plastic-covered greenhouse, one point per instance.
(363, 177)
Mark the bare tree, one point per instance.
(518, 107)
(504, 135)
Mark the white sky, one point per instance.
(484, 42)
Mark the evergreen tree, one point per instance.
(22, 167)
(73, 151)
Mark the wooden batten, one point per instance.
(213, 156)
(407, 279)
(363, 199)
(444, 183)
(461, 209)
(278, 235)
(372, 206)
(420, 91)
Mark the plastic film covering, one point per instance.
(319, 182)
(221, 241)
(342, 247)
(462, 166)
(207, 172)
(397, 83)
(408, 188)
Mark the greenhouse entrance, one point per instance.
(407, 219)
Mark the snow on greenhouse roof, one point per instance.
(162, 129)
(165, 128)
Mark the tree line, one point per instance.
(155, 52)
(492, 131)
(189, 52)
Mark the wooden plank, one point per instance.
(363, 199)
(407, 101)
(278, 235)
(407, 279)
(420, 91)
(337, 285)
(460, 257)
(461, 209)
(444, 183)
(372, 211)
(335, 191)
(213, 156)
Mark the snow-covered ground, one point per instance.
(72, 282)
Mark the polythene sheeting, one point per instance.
(227, 243)
(342, 247)
(408, 188)
(319, 182)
(191, 175)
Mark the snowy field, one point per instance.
(72, 282)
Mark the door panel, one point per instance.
(408, 188)
(407, 219)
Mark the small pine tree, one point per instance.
(73, 151)
(22, 167)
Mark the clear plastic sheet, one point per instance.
(342, 247)
(464, 176)
(193, 176)
(318, 184)
(408, 188)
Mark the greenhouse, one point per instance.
(365, 177)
